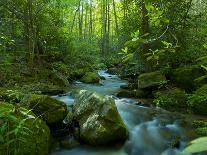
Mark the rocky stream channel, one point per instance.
(152, 131)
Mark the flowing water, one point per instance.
(151, 130)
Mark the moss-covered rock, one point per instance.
(184, 77)
(173, 99)
(50, 109)
(150, 80)
(197, 102)
(90, 77)
(100, 122)
(59, 79)
(69, 143)
(27, 134)
(137, 93)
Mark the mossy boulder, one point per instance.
(27, 133)
(136, 93)
(150, 80)
(197, 102)
(173, 99)
(51, 110)
(184, 77)
(100, 122)
(59, 79)
(90, 77)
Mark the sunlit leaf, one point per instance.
(197, 145)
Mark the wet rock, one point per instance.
(69, 143)
(90, 77)
(102, 78)
(125, 93)
(32, 131)
(132, 93)
(100, 122)
(112, 70)
(124, 87)
(150, 80)
(176, 142)
(145, 102)
(49, 109)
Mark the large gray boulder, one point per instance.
(100, 122)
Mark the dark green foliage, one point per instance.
(21, 133)
(184, 77)
(197, 102)
(173, 99)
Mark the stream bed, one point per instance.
(151, 130)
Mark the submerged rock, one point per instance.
(150, 80)
(69, 143)
(50, 109)
(100, 122)
(90, 77)
(31, 133)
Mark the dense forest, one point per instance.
(94, 77)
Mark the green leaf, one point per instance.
(197, 145)
(204, 67)
(205, 45)
(125, 50)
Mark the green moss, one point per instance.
(28, 134)
(99, 119)
(197, 102)
(59, 79)
(51, 110)
(90, 77)
(173, 99)
(200, 127)
(184, 77)
(151, 79)
(202, 90)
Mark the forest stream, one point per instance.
(151, 130)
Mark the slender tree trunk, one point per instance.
(144, 30)
(115, 17)
(74, 19)
(145, 26)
